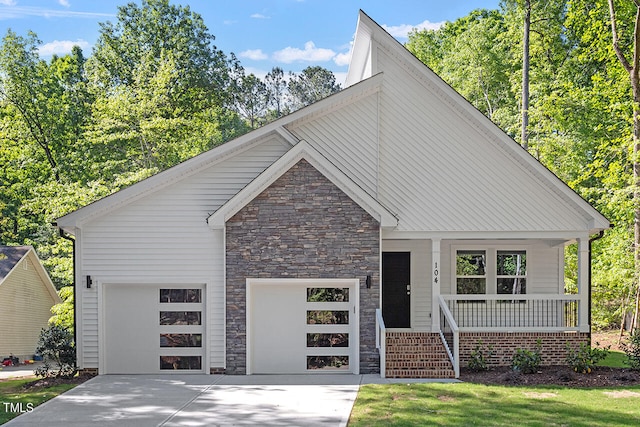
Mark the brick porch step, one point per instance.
(417, 355)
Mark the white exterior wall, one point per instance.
(164, 238)
(420, 279)
(545, 263)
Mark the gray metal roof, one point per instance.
(9, 257)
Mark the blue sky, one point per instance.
(291, 34)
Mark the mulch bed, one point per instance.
(51, 381)
(554, 375)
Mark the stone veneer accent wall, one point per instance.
(505, 344)
(302, 226)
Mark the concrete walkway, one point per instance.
(202, 400)
(199, 400)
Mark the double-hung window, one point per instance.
(471, 272)
(491, 271)
(511, 272)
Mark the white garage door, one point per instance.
(153, 329)
(302, 326)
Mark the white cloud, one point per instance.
(254, 55)
(61, 47)
(13, 11)
(64, 3)
(402, 31)
(260, 16)
(342, 59)
(310, 53)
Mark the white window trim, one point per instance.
(491, 268)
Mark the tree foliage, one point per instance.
(154, 92)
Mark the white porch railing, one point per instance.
(450, 334)
(381, 342)
(514, 313)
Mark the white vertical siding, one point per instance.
(164, 238)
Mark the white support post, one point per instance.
(583, 283)
(436, 275)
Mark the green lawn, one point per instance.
(465, 404)
(615, 359)
(14, 398)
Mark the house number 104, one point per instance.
(435, 273)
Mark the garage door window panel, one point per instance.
(170, 318)
(180, 340)
(180, 363)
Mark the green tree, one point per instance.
(311, 85)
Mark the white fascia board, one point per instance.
(360, 55)
(561, 235)
(303, 150)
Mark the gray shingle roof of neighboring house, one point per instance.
(9, 257)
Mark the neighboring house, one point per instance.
(387, 228)
(26, 297)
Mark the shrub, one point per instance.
(479, 357)
(584, 358)
(527, 361)
(632, 350)
(58, 353)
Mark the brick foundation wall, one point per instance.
(302, 226)
(505, 344)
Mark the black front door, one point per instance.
(396, 289)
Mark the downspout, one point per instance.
(75, 299)
(591, 240)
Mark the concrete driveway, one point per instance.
(200, 400)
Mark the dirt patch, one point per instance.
(621, 394)
(536, 395)
(610, 338)
(554, 375)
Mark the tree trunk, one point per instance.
(633, 68)
(525, 75)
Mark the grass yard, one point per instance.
(466, 404)
(14, 398)
(615, 359)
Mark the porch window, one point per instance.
(471, 272)
(491, 271)
(512, 272)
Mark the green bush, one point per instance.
(58, 352)
(479, 357)
(584, 358)
(632, 350)
(527, 361)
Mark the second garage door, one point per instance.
(302, 326)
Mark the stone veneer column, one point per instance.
(302, 226)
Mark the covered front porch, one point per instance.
(507, 294)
